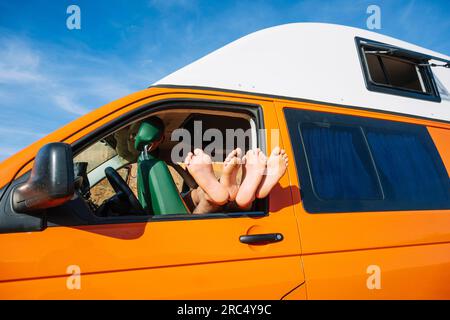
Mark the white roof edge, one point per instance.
(312, 61)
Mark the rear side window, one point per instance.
(332, 151)
(350, 164)
(407, 167)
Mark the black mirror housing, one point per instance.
(51, 182)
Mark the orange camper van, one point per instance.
(362, 213)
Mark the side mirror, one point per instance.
(51, 182)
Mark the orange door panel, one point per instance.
(408, 272)
(246, 279)
(341, 251)
(201, 258)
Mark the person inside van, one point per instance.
(260, 174)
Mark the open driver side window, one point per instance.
(109, 151)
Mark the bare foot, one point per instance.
(230, 170)
(255, 165)
(200, 167)
(276, 167)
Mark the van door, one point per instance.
(183, 257)
(374, 217)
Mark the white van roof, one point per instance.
(312, 61)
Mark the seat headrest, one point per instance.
(150, 131)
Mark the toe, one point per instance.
(262, 156)
(188, 158)
(276, 151)
(205, 157)
(229, 157)
(198, 151)
(232, 154)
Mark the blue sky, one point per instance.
(50, 75)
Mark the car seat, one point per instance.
(157, 191)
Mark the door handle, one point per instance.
(261, 238)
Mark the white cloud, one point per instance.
(67, 104)
(47, 85)
(17, 76)
(22, 70)
(18, 64)
(22, 131)
(65, 79)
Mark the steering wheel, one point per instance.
(123, 191)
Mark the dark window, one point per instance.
(340, 164)
(350, 164)
(377, 73)
(393, 70)
(404, 74)
(407, 167)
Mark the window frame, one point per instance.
(425, 71)
(78, 217)
(314, 205)
(77, 213)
